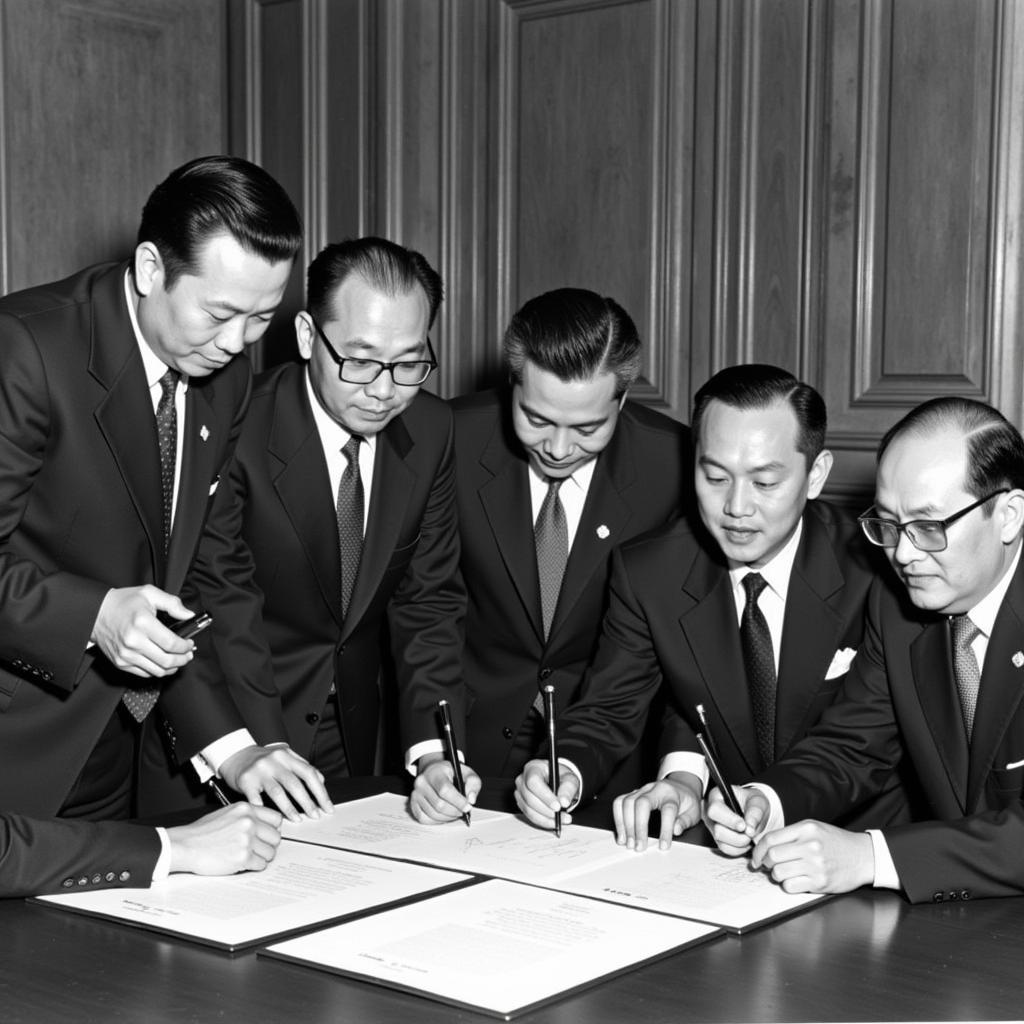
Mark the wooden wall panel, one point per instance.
(100, 100)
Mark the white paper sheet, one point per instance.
(302, 886)
(497, 946)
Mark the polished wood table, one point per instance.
(866, 956)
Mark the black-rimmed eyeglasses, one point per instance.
(405, 373)
(924, 534)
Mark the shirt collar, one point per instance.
(775, 573)
(333, 436)
(984, 613)
(580, 478)
(153, 366)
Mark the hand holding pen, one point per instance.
(452, 751)
(710, 751)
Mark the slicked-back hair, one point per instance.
(212, 195)
(574, 334)
(995, 450)
(758, 386)
(388, 267)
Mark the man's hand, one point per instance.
(731, 833)
(434, 796)
(677, 797)
(290, 781)
(813, 857)
(535, 799)
(128, 632)
(235, 838)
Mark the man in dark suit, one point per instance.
(303, 648)
(72, 855)
(681, 620)
(120, 401)
(562, 439)
(937, 684)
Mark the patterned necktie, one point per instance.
(167, 435)
(350, 519)
(759, 660)
(965, 666)
(551, 537)
(140, 701)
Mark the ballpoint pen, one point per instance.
(451, 751)
(710, 752)
(549, 716)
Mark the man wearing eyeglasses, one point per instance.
(939, 683)
(342, 489)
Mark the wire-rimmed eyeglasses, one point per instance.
(405, 373)
(924, 534)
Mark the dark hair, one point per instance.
(995, 450)
(574, 334)
(757, 386)
(387, 266)
(212, 195)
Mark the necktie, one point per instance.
(167, 435)
(140, 701)
(759, 660)
(350, 519)
(551, 537)
(965, 666)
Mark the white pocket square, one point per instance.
(1014, 764)
(841, 662)
(213, 486)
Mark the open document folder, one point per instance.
(496, 947)
(686, 881)
(302, 887)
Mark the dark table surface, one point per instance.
(866, 956)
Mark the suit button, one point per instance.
(124, 876)
(312, 718)
(953, 894)
(110, 876)
(96, 879)
(965, 894)
(83, 880)
(937, 897)
(68, 883)
(507, 733)
(544, 673)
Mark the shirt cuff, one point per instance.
(162, 868)
(417, 750)
(208, 761)
(886, 876)
(685, 761)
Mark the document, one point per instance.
(497, 947)
(303, 886)
(496, 844)
(686, 881)
(691, 881)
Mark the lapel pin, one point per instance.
(1018, 659)
(603, 532)
(203, 432)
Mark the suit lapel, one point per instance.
(605, 515)
(810, 630)
(389, 498)
(706, 626)
(506, 502)
(931, 662)
(1002, 685)
(301, 476)
(125, 415)
(198, 454)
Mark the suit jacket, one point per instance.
(68, 855)
(80, 512)
(276, 602)
(642, 478)
(900, 703)
(672, 624)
